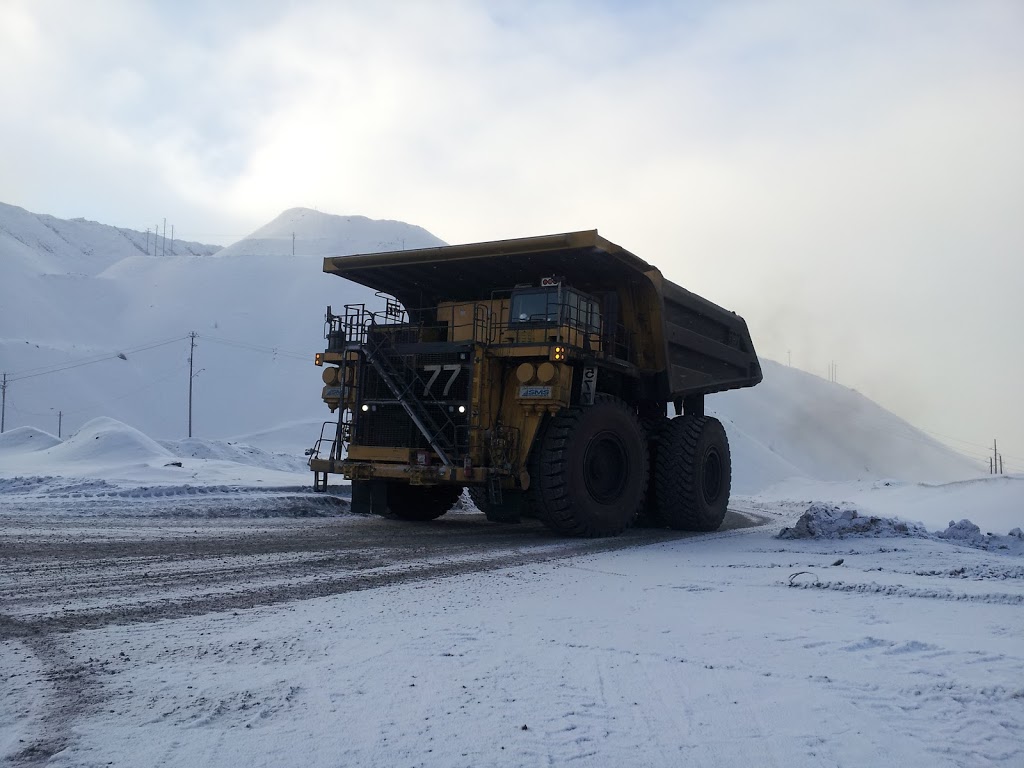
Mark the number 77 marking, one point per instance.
(435, 372)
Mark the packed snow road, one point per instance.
(69, 573)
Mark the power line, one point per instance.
(968, 442)
(52, 366)
(257, 347)
(30, 373)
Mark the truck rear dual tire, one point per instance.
(692, 473)
(649, 516)
(589, 469)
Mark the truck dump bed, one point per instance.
(702, 348)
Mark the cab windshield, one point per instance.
(535, 307)
(545, 306)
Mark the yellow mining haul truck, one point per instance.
(535, 372)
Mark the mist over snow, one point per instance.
(796, 424)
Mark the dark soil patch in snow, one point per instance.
(825, 521)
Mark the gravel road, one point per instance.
(63, 573)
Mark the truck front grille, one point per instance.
(436, 384)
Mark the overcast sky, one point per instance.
(849, 176)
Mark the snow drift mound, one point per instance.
(108, 441)
(823, 521)
(291, 438)
(236, 452)
(26, 440)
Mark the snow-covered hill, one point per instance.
(258, 312)
(314, 233)
(47, 245)
(89, 292)
(796, 424)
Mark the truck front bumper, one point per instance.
(414, 474)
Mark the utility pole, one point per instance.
(191, 354)
(1000, 463)
(163, 251)
(60, 420)
(995, 457)
(3, 406)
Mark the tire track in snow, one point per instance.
(898, 590)
(69, 585)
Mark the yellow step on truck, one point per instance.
(536, 372)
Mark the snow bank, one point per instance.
(967, 533)
(291, 438)
(824, 521)
(106, 441)
(237, 452)
(113, 463)
(26, 440)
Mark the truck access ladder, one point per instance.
(377, 353)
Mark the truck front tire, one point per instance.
(589, 470)
(417, 502)
(512, 508)
(693, 473)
